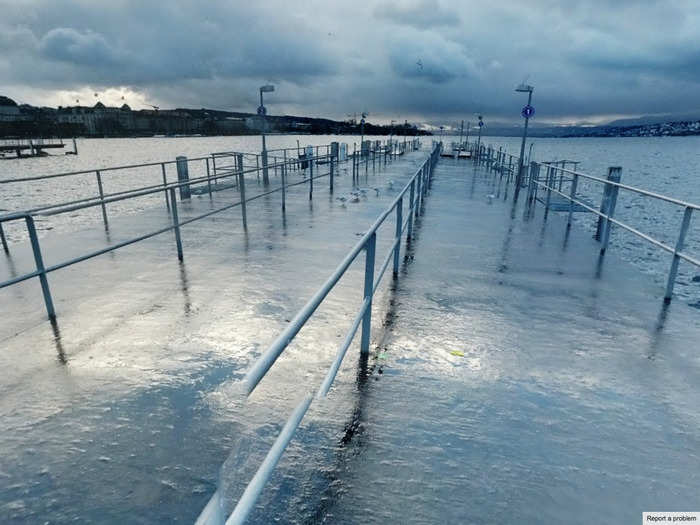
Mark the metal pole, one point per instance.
(176, 223)
(613, 176)
(399, 223)
(241, 189)
(266, 179)
(311, 179)
(574, 185)
(409, 234)
(208, 177)
(419, 193)
(165, 186)
(39, 261)
(685, 225)
(102, 199)
(611, 209)
(3, 239)
(518, 178)
(331, 174)
(284, 187)
(370, 248)
(550, 183)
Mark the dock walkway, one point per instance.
(507, 380)
(516, 385)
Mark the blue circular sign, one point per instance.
(262, 111)
(481, 123)
(527, 111)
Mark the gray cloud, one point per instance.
(422, 14)
(423, 59)
(68, 45)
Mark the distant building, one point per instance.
(9, 111)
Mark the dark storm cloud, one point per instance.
(422, 15)
(421, 59)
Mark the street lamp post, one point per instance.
(268, 88)
(527, 112)
(362, 134)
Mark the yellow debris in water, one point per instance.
(458, 353)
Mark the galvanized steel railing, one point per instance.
(416, 189)
(558, 179)
(168, 189)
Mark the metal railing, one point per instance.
(168, 189)
(416, 189)
(206, 165)
(558, 179)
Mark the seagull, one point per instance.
(376, 190)
(420, 63)
(391, 184)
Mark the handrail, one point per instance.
(606, 212)
(627, 187)
(418, 185)
(169, 191)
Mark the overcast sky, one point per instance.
(425, 60)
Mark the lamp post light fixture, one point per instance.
(527, 112)
(262, 112)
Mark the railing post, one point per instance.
(39, 261)
(311, 178)
(574, 187)
(176, 223)
(102, 199)
(183, 175)
(266, 176)
(370, 248)
(284, 187)
(165, 185)
(241, 189)
(613, 176)
(534, 178)
(550, 183)
(399, 224)
(3, 239)
(419, 195)
(330, 175)
(208, 177)
(611, 209)
(409, 234)
(680, 243)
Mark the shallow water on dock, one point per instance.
(666, 165)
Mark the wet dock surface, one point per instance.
(508, 379)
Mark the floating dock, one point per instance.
(31, 147)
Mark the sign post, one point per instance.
(527, 112)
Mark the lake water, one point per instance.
(667, 165)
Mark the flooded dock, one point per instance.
(510, 372)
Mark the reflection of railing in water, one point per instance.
(416, 189)
(558, 179)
